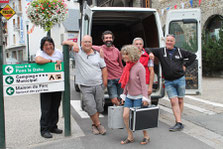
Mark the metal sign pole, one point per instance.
(66, 97)
(2, 111)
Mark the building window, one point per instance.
(20, 5)
(14, 40)
(214, 25)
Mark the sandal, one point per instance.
(126, 141)
(145, 140)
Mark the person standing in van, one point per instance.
(114, 65)
(149, 67)
(133, 81)
(92, 77)
(174, 62)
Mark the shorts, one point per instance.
(93, 98)
(114, 88)
(175, 88)
(136, 103)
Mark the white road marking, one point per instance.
(196, 108)
(208, 137)
(205, 101)
(76, 104)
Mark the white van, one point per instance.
(129, 22)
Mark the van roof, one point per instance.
(122, 9)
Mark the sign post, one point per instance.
(2, 108)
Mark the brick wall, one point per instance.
(209, 8)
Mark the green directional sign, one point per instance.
(10, 91)
(9, 80)
(31, 68)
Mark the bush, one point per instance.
(212, 53)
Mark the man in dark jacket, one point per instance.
(174, 62)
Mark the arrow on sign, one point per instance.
(9, 69)
(9, 80)
(10, 90)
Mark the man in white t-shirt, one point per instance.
(92, 77)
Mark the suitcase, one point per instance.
(115, 117)
(143, 118)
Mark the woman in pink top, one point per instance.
(133, 81)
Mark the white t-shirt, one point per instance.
(57, 55)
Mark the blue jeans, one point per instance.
(176, 88)
(114, 88)
(136, 103)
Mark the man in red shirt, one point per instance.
(114, 65)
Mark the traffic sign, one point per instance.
(7, 12)
(4, 1)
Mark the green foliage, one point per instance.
(212, 53)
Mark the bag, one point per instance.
(143, 118)
(115, 117)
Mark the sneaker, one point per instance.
(101, 129)
(94, 130)
(177, 127)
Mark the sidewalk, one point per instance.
(22, 114)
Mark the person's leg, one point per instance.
(45, 102)
(176, 108)
(126, 112)
(181, 87)
(146, 137)
(112, 92)
(119, 89)
(181, 105)
(54, 112)
(126, 122)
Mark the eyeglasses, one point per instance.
(172, 35)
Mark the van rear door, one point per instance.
(86, 21)
(185, 24)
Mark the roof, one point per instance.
(71, 24)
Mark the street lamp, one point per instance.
(27, 29)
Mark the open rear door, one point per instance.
(185, 24)
(86, 21)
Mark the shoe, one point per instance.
(57, 131)
(46, 135)
(94, 130)
(177, 127)
(101, 129)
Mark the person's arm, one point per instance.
(104, 76)
(189, 58)
(120, 60)
(72, 44)
(151, 79)
(41, 60)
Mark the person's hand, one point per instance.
(73, 44)
(102, 53)
(151, 56)
(58, 62)
(145, 103)
(150, 90)
(184, 68)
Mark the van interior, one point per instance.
(126, 25)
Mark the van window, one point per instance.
(186, 34)
(86, 25)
